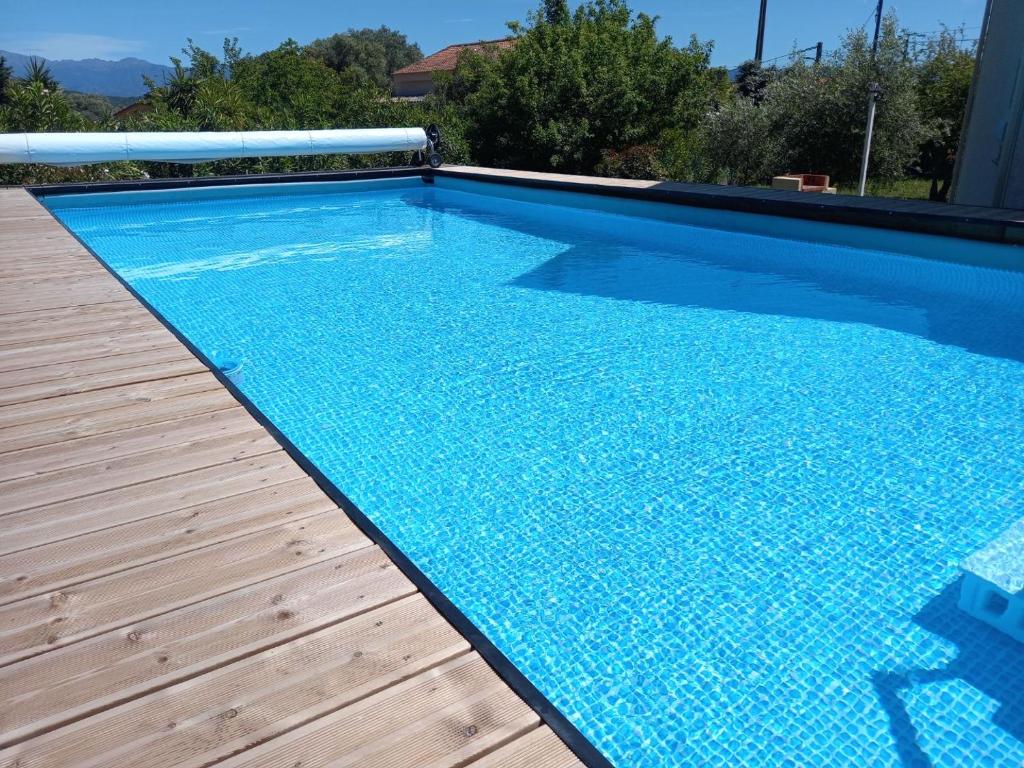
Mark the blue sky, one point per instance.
(155, 30)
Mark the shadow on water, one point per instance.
(986, 659)
(979, 310)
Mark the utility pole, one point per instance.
(874, 91)
(878, 26)
(817, 53)
(759, 48)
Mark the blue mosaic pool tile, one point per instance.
(709, 491)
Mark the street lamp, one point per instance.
(874, 91)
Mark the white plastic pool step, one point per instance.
(993, 586)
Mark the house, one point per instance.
(135, 108)
(417, 80)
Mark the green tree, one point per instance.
(91, 106)
(292, 90)
(37, 71)
(944, 81)
(6, 78)
(567, 93)
(556, 12)
(752, 80)
(741, 144)
(819, 111)
(33, 108)
(367, 54)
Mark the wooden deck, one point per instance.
(174, 589)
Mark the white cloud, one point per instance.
(70, 45)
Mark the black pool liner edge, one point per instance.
(995, 225)
(549, 714)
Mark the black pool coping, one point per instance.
(549, 714)
(999, 225)
(996, 225)
(141, 185)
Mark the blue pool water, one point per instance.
(707, 489)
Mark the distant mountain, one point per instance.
(108, 78)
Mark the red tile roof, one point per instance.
(446, 59)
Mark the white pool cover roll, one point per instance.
(194, 147)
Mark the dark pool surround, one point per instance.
(996, 225)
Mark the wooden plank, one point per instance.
(104, 321)
(201, 721)
(61, 564)
(69, 406)
(21, 295)
(100, 293)
(67, 428)
(135, 441)
(42, 319)
(55, 372)
(445, 716)
(88, 479)
(89, 376)
(40, 624)
(47, 266)
(37, 353)
(96, 674)
(186, 491)
(540, 748)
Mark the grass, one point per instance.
(906, 189)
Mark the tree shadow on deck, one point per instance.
(987, 660)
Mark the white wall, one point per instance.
(990, 163)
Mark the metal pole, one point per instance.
(759, 48)
(878, 26)
(873, 90)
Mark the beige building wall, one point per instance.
(412, 84)
(990, 163)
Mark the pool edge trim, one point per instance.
(548, 713)
(1004, 226)
(874, 213)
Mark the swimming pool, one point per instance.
(707, 488)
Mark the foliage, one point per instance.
(594, 90)
(91, 106)
(812, 117)
(821, 111)
(556, 12)
(37, 71)
(753, 79)
(283, 89)
(640, 162)
(943, 83)
(570, 91)
(368, 55)
(32, 108)
(904, 189)
(6, 78)
(741, 144)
